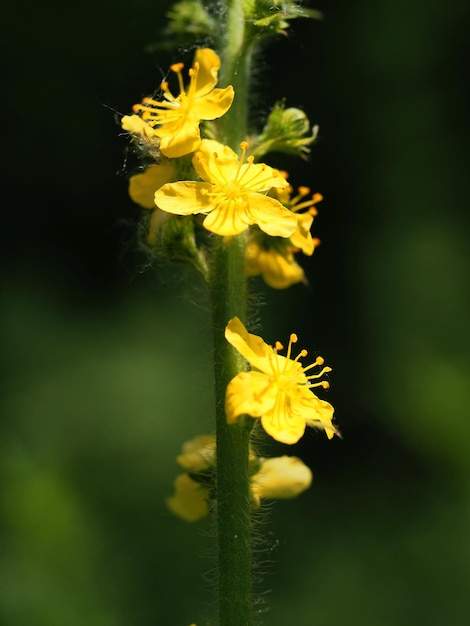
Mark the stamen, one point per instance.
(176, 67)
(244, 147)
(216, 160)
(278, 346)
(325, 370)
(292, 339)
(193, 72)
(295, 205)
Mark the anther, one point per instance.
(176, 67)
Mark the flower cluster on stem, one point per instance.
(212, 199)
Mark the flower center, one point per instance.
(288, 373)
(172, 109)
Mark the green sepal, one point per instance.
(286, 130)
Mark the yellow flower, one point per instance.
(277, 478)
(279, 270)
(280, 478)
(233, 194)
(175, 120)
(273, 257)
(279, 391)
(189, 500)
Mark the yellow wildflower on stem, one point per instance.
(279, 390)
(277, 478)
(175, 119)
(273, 257)
(233, 195)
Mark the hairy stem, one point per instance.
(228, 291)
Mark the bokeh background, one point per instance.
(106, 359)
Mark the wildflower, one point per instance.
(273, 257)
(279, 390)
(175, 120)
(277, 478)
(233, 195)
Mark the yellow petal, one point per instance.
(273, 218)
(206, 165)
(252, 347)
(280, 478)
(226, 220)
(176, 142)
(136, 125)
(316, 413)
(282, 423)
(142, 186)
(190, 499)
(302, 238)
(214, 104)
(279, 271)
(209, 65)
(249, 393)
(183, 198)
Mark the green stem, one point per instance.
(235, 71)
(228, 290)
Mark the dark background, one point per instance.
(107, 359)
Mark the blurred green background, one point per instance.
(107, 360)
